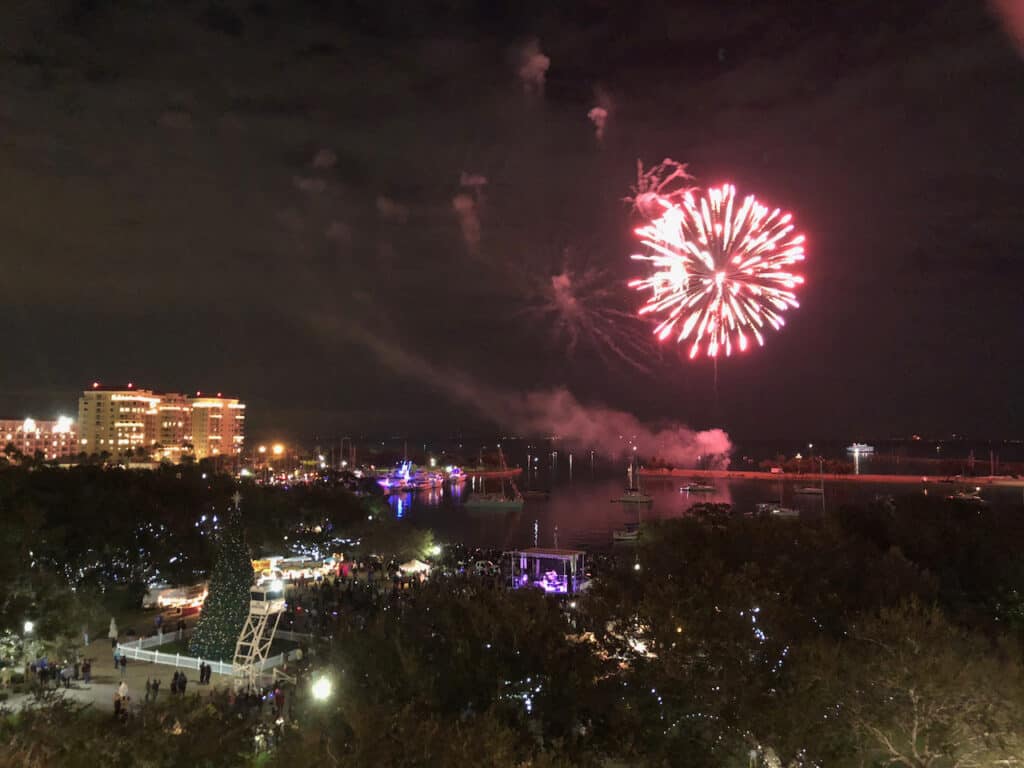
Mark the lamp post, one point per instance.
(321, 689)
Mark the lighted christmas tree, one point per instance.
(227, 602)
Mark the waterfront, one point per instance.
(580, 509)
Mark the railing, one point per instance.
(153, 640)
(286, 634)
(136, 650)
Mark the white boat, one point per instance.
(629, 533)
(771, 509)
(860, 448)
(968, 497)
(422, 480)
(697, 488)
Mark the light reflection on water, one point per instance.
(582, 512)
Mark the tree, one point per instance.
(227, 603)
(907, 688)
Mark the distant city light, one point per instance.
(278, 449)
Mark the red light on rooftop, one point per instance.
(129, 385)
(95, 384)
(218, 394)
(198, 393)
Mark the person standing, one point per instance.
(174, 683)
(182, 681)
(156, 688)
(149, 689)
(124, 665)
(279, 701)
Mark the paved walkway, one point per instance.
(105, 679)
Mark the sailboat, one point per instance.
(813, 490)
(634, 493)
(500, 500)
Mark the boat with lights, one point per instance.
(860, 448)
(697, 487)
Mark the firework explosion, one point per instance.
(578, 305)
(720, 270)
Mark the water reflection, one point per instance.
(580, 511)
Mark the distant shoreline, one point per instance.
(733, 474)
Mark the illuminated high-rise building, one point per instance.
(117, 420)
(218, 425)
(174, 427)
(121, 419)
(54, 439)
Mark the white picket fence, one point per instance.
(137, 650)
(286, 634)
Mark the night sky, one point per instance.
(277, 200)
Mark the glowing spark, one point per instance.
(578, 306)
(720, 270)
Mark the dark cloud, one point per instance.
(186, 187)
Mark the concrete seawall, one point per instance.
(731, 474)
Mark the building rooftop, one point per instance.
(129, 387)
(562, 554)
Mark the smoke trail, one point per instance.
(558, 412)
(599, 117)
(1012, 14)
(533, 68)
(390, 211)
(599, 113)
(465, 208)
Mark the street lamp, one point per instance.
(278, 449)
(322, 688)
(29, 626)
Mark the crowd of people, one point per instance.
(50, 673)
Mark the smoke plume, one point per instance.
(598, 116)
(533, 68)
(465, 207)
(599, 113)
(1012, 14)
(390, 211)
(558, 413)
